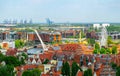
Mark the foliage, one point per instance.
(85, 73)
(22, 57)
(51, 29)
(96, 51)
(103, 51)
(117, 68)
(113, 28)
(66, 69)
(97, 46)
(82, 34)
(22, 61)
(114, 50)
(88, 72)
(25, 55)
(113, 65)
(66, 41)
(1, 57)
(46, 61)
(91, 41)
(75, 69)
(11, 60)
(118, 72)
(56, 42)
(34, 72)
(7, 70)
(19, 43)
(108, 51)
(109, 40)
(27, 73)
(0, 47)
(63, 69)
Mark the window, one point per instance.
(47, 68)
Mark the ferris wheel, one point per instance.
(103, 36)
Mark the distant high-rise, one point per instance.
(30, 22)
(25, 22)
(14, 21)
(6, 21)
(21, 21)
(49, 22)
(9, 21)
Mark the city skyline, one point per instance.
(61, 11)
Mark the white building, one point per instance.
(47, 68)
(96, 26)
(7, 44)
(104, 25)
(100, 25)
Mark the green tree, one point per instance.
(22, 58)
(102, 51)
(114, 66)
(91, 41)
(7, 70)
(114, 50)
(118, 72)
(25, 55)
(27, 73)
(83, 34)
(75, 69)
(19, 43)
(22, 61)
(108, 51)
(1, 57)
(46, 61)
(109, 40)
(97, 46)
(34, 72)
(88, 72)
(0, 47)
(65, 69)
(11, 60)
(96, 51)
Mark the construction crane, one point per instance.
(43, 45)
(40, 39)
(81, 40)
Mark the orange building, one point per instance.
(45, 36)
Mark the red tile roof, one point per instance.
(11, 52)
(45, 75)
(46, 56)
(69, 47)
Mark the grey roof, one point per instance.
(56, 48)
(34, 50)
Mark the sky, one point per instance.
(61, 10)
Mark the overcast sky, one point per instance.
(61, 10)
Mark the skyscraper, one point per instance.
(49, 22)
